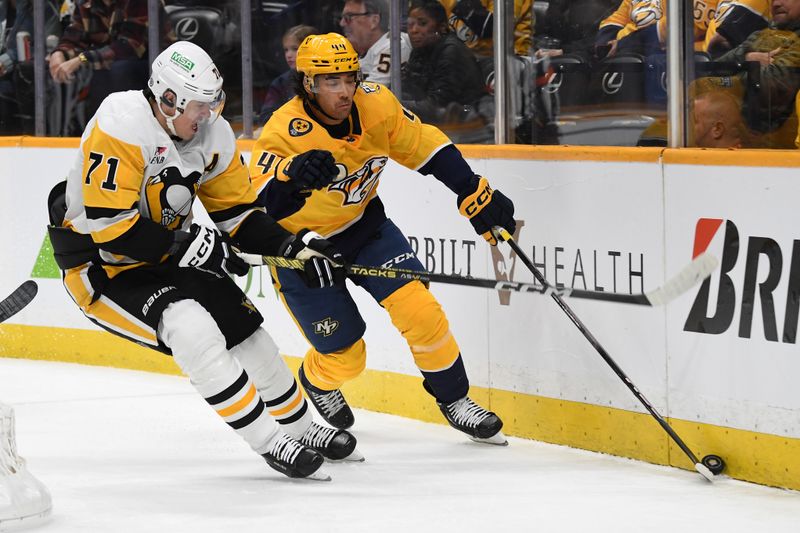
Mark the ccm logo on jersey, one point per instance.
(299, 126)
(325, 327)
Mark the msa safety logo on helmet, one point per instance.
(357, 187)
(299, 126)
(182, 61)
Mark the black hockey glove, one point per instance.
(209, 250)
(324, 263)
(314, 169)
(486, 208)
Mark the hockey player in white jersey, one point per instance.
(138, 267)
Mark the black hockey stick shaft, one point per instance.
(18, 299)
(504, 235)
(498, 285)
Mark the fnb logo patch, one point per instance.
(754, 290)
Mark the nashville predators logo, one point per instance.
(249, 305)
(325, 327)
(299, 126)
(646, 12)
(169, 196)
(357, 187)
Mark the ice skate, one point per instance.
(478, 423)
(294, 459)
(333, 444)
(331, 405)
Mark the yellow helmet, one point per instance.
(330, 53)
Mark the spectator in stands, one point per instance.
(632, 28)
(777, 49)
(572, 26)
(716, 121)
(109, 37)
(365, 23)
(281, 90)
(640, 26)
(16, 66)
(472, 22)
(733, 22)
(441, 73)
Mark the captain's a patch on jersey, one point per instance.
(299, 126)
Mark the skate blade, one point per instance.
(319, 475)
(354, 457)
(498, 439)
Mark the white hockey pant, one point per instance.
(259, 355)
(198, 347)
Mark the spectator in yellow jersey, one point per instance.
(318, 163)
(640, 26)
(473, 22)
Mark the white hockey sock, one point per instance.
(198, 348)
(275, 382)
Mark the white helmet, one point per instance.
(188, 71)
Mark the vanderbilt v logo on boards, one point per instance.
(504, 268)
(763, 269)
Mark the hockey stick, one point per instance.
(18, 299)
(502, 234)
(698, 269)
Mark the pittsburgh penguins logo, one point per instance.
(169, 196)
(357, 187)
(299, 126)
(249, 305)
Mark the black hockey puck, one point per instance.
(714, 463)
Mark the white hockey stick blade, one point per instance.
(18, 299)
(705, 472)
(699, 269)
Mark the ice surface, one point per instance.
(127, 451)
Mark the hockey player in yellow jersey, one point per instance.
(317, 165)
(136, 265)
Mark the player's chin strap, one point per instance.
(169, 118)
